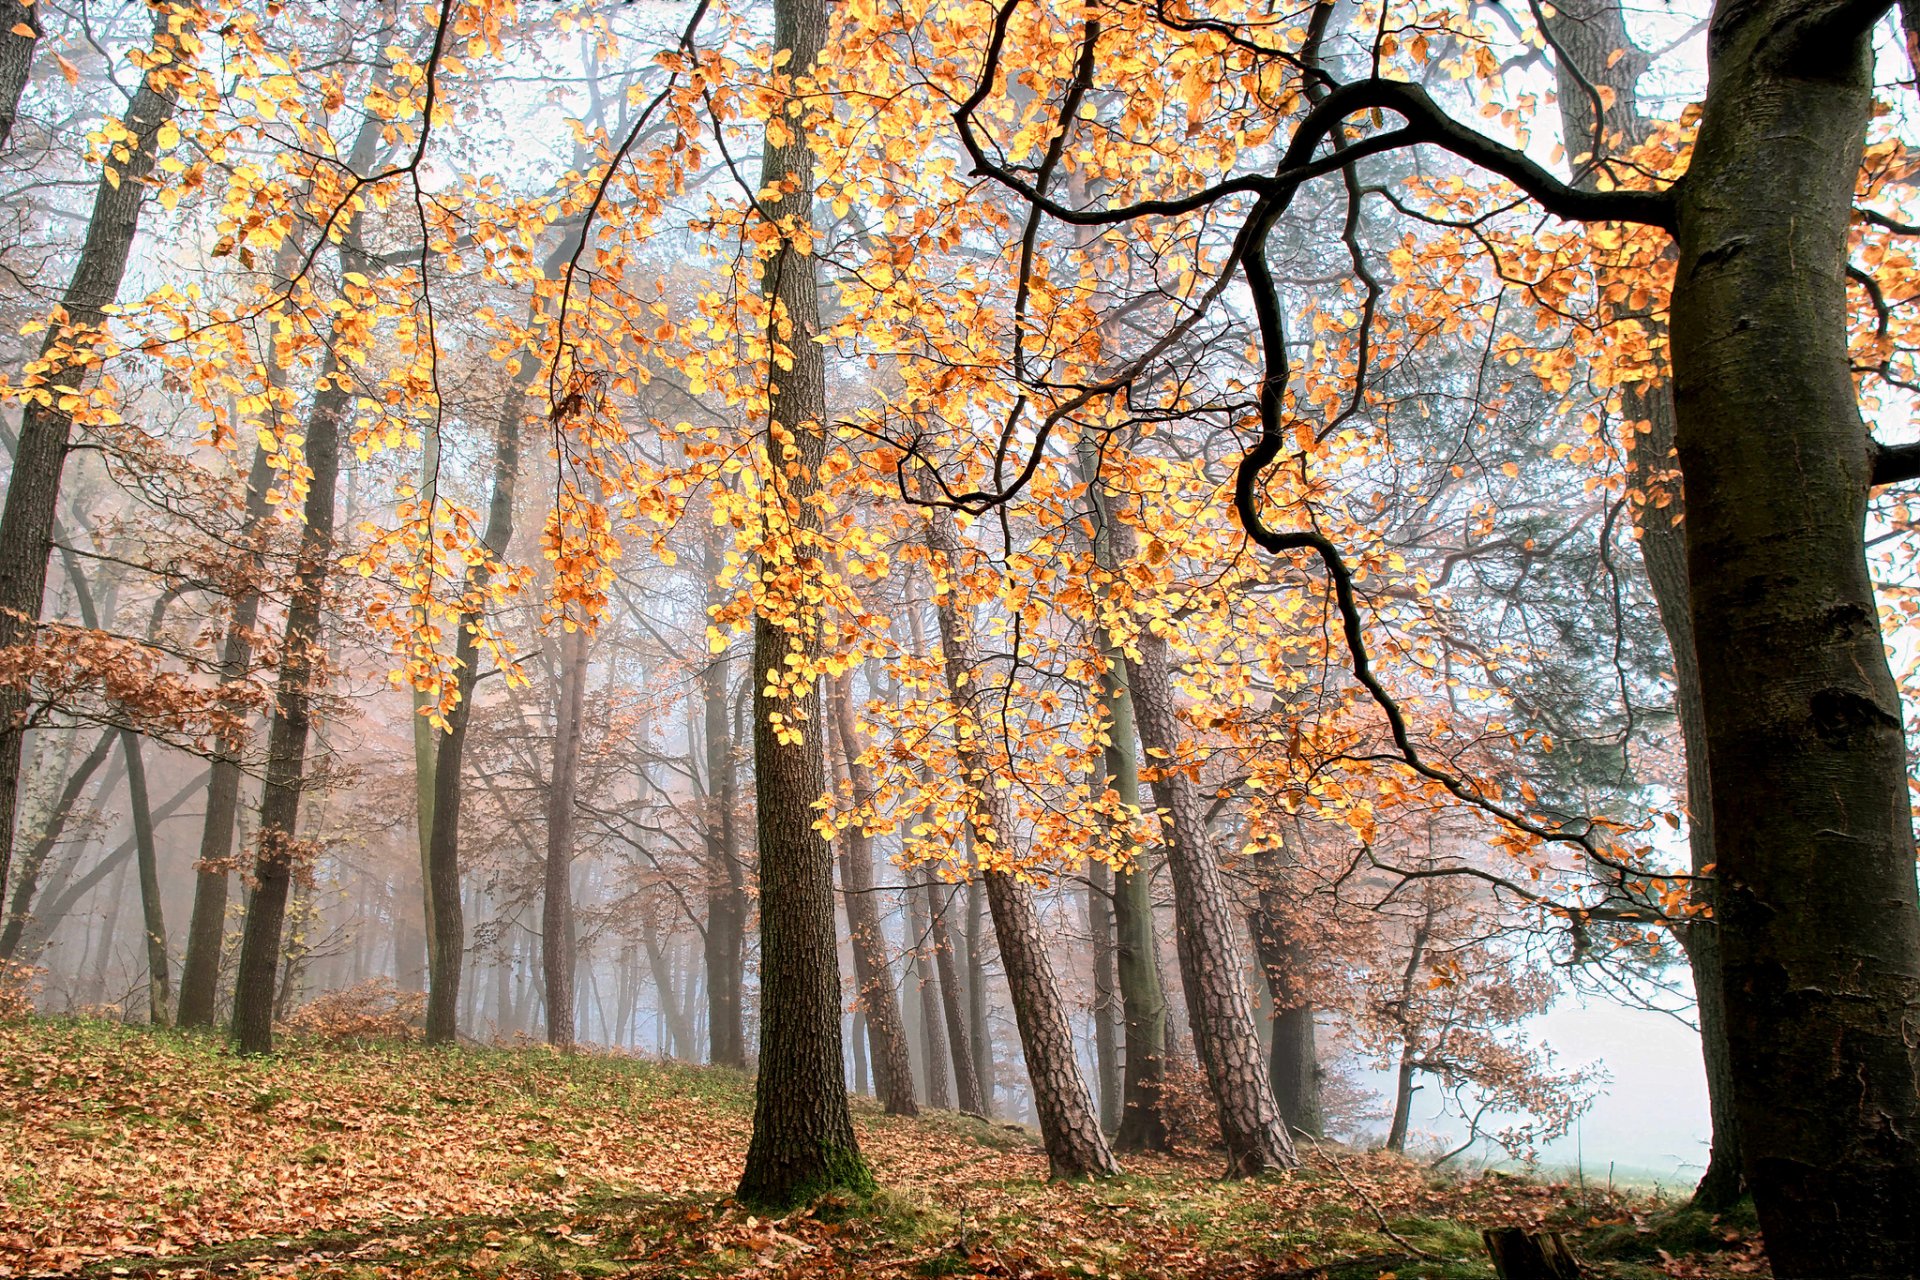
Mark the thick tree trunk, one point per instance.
(16, 59)
(1076, 1146)
(1596, 53)
(1812, 820)
(33, 490)
(556, 907)
(726, 878)
(1205, 939)
(803, 1141)
(207, 929)
(873, 976)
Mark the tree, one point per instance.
(557, 957)
(67, 355)
(803, 1141)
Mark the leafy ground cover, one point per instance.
(130, 1152)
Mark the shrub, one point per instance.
(375, 1010)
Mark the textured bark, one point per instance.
(803, 1141)
(1106, 993)
(726, 878)
(979, 1034)
(556, 905)
(207, 929)
(1069, 1128)
(273, 867)
(1402, 1013)
(953, 1004)
(16, 60)
(933, 1030)
(1143, 1003)
(873, 976)
(27, 874)
(1812, 825)
(33, 490)
(1220, 1011)
(147, 861)
(1595, 55)
(1293, 1062)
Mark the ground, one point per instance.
(131, 1152)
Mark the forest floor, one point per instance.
(130, 1152)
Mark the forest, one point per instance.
(1005, 638)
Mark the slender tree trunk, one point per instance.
(1409, 1050)
(1076, 1146)
(27, 877)
(857, 1035)
(207, 929)
(16, 59)
(803, 1140)
(33, 489)
(556, 912)
(953, 1004)
(1812, 819)
(980, 1032)
(933, 1031)
(1205, 939)
(726, 878)
(1106, 992)
(1402, 1102)
(147, 859)
(873, 976)
(277, 842)
(1595, 55)
(1293, 1061)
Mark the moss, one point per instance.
(840, 1169)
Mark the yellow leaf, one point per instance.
(67, 69)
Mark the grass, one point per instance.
(142, 1152)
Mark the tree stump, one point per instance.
(1519, 1254)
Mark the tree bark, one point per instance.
(147, 860)
(33, 490)
(207, 929)
(1812, 824)
(1293, 1063)
(16, 60)
(556, 908)
(1204, 937)
(726, 878)
(933, 1030)
(1106, 992)
(953, 1005)
(275, 855)
(1595, 55)
(1069, 1128)
(873, 976)
(27, 881)
(803, 1141)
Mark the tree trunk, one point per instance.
(980, 1033)
(1106, 992)
(933, 1030)
(277, 840)
(1293, 1064)
(1205, 940)
(803, 1141)
(556, 910)
(1402, 1102)
(726, 878)
(207, 929)
(33, 490)
(16, 60)
(1076, 1146)
(873, 976)
(27, 879)
(1812, 820)
(1595, 53)
(147, 859)
(953, 1005)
